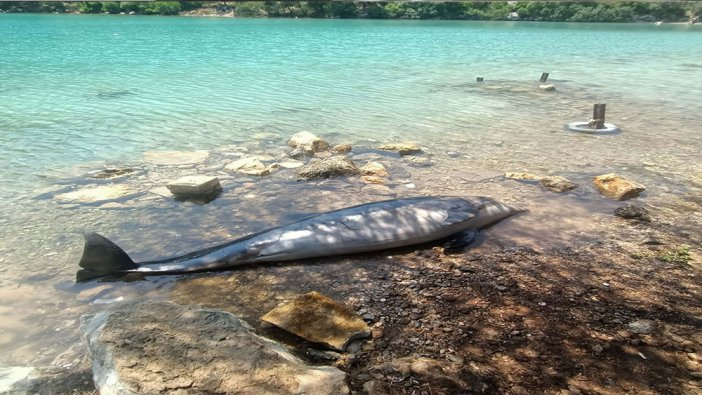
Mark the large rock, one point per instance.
(171, 158)
(195, 186)
(404, 148)
(308, 142)
(249, 165)
(557, 184)
(327, 167)
(617, 187)
(318, 319)
(160, 347)
(98, 194)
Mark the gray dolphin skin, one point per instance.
(367, 227)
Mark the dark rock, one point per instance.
(328, 167)
(631, 211)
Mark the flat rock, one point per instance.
(327, 167)
(617, 187)
(404, 148)
(318, 319)
(557, 184)
(631, 211)
(342, 148)
(102, 193)
(308, 142)
(291, 164)
(171, 158)
(249, 165)
(195, 186)
(374, 169)
(159, 347)
(523, 176)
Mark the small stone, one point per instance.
(547, 87)
(557, 184)
(342, 149)
(617, 188)
(377, 333)
(291, 164)
(404, 148)
(249, 165)
(308, 142)
(374, 387)
(597, 349)
(195, 186)
(631, 211)
(297, 153)
(519, 390)
(642, 326)
(420, 161)
(374, 169)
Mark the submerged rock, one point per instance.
(327, 167)
(547, 87)
(404, 148)
(318, 319)
(557, 184)
(342, 149)
(97, 194)
(249, 165)
(171, 158)
(633, 212)
(110, 173)
(160, 347)
(195, 186)
(374, 169)
(420, 161)
(523, 176)
(308, 142)
(617, 187)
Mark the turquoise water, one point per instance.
(78, 93)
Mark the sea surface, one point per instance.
(79, 93)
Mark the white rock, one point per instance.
(97, 194)
(547, 87)
(195, 186)
(171, 158)
(308, 142)
(248, 165)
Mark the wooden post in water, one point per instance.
(598, 116)
(479, 79)
(544, 77)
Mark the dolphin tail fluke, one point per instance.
(102, 258)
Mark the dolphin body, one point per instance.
(367, 227)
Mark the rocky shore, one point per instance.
(606, 312)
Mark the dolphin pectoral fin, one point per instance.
(102, 258)
(460, 240)
(456, 215)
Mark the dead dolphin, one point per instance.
(363, 228)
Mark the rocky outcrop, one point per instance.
(557, 184)
(630, 211)
(160, 347)
(328, 167)
(172, 158)
(249, 165)
(308, 143)
(195, 187)
(318, 319)
(617, 187)
(97, 194)
(404, 148)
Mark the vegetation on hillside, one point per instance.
(627, 11)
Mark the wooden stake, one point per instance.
(598, 115)
(544, 77)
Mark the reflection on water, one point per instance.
(61, 127)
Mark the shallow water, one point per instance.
(78, 93)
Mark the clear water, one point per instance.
(81, 92)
